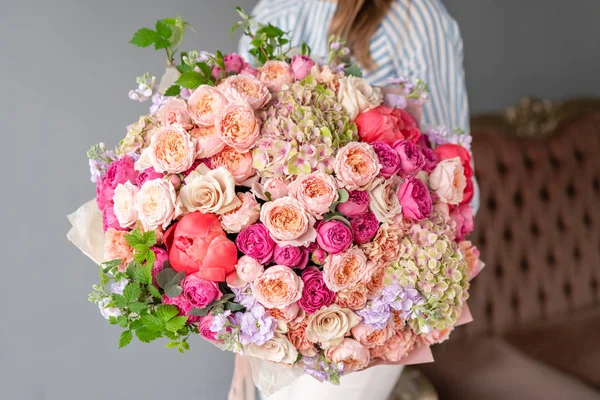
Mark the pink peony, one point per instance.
(120, 171)
(291, 256)
(431, 159)
(278, 287)
(356, 165)
(411, 158)
(233, 64)
(205, 103)
(104, 194)
(199, 292)
(357, 204)
(388, 158)
(448, 181)
(248, 269)
(364, 227)
(351, 353)
(204, 328)
(315, 293)
(288, 222)
(387, 125)
(415, 199)
(238, 127)
(334, 236)
(161, 257)
(270, 189)
(301, 66)
(254, 241)
(463, 216)
(147, 175)
(243, 216)
(247, 89)
(110, 220)
(275, 74)
(174, 112)
(315, 191)
(249, 70)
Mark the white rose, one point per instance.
(448, 181)
(384, 203)
(156, 204)
(356, 95)
(329, 325)
(124, 199)
(279, 349)
(145, 160)
(209, 191)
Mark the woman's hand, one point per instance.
(414, 109)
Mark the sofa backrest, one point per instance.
(538, 228)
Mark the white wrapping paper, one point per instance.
(269, 377)
(86, 232)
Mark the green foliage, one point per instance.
(173, 90)
(125, 338)
(168, 36)
(353, 70)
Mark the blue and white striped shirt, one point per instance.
(417, 39)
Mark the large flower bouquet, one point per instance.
(290, 212)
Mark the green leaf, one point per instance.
(190, 80)
(144, 37)
(137, 324)
(234, 306)
(206, 70)
(161, 44)
(108, 265)
(163, 29)
(165, 276)
(219, 60)
(132, 292)
(122, 320)
(353, 70)
(177, 323)
(149, 238)
(337, 217)
(173, 91)
(171, 335)
(166, 312)
(172, 345)
(144, 274)
(153, 322)
(200, 312)
(185, 345)
(154, 291)
(343, 196)
(130, 270)
(125, 338)
(138, 307)
(119, 300)
(134, 237)
(113, 320)
(146, 336)
(173, 290)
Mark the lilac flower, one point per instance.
(244, 297)
(398, 81)
(204, 56)
(335, 45)
(118, 287)
(256, 326)
(108, 312)
(376, 313)
(145, 88)
(157, 101)
(100, 159)
(220, 321)
(395, 100)
(402, 299)
(321, 370)
(439, 136)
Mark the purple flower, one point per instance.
(400, 80)
(364, 227)
(388, 158)
(402, 299)
(357, 204)
(291, 256)
(395, 100)
(334, 236)
(220, 321)
(256, 326)
(376, 314)
(158, 100)
(244, 297)
(255, 241)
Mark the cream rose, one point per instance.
(356, 165)
(238, 127)
(171, 149)
(277, 287)
(329, 325)
(279, 349)
(384, 203)
(315, 191)
(356, 95)
(288, 222)
(448, 181)
(209, 191)
(248, 269)
(245, 88)
(344, 270)
(205, 103)
(244, 215)
(207, 141)
(275, 74)
(124, 199)
(351, 353)
(174, 112)
(156, 204)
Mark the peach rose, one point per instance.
(448, 181)
(288, 222)
(116, 247)
(124, 199)
(275, 74)
(279, 350)
(238, 127)
(290, 314)
(174, 112)
(356, 165)
(329, 325)
(375, 285)
(209, 191)
(351, 353)
(371, 337)
(356, 95)
(244, 215)
(385, 246)
(396, 347)
(435, 336)
(353, 298)
(315, 191)
(248, 269)
(277, 287)
(345, 270)
(239, 164)
(205, 103)
(275, 187)
(245, 88)
(156, 204)
(471, 254)
(207, 141)
(171, 150)
(297, 335)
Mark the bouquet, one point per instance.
(286, 211)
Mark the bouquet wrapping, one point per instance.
(288, 211)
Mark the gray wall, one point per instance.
(65, 71)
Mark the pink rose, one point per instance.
(356, 165)
(234, 281)
(243, 216)
(171, 149)
(415, 199)
(277, 287)
(174, 112)
(351, 353)
(448, 181)
(383, 194)
(233, 63)
(315, 191)
(318, 256)
(207, 141)
(291, 256)
(463, 216)
(239, 164)
(357, 204)
(411, 158)
(117, 248)
(110, 220)
(288, 222)
(397, 347)
(248, 269)
(161, 257)
(249, 70)
(301, 66)
(104, 194)
(147, 175)
(275, 188)
(254, 241)
(315, 293)
(334, 236)
(205, 103)
(435, 337)
(204, 328)
(275, 74)
(387, 125)
(371, 337)
(120, 171)
(471, 253)
(245, 88)
(199, 292)
(156, 204)
(364, 227)
(345, 270)
(238, 127)
(431, 159)
(388, 158)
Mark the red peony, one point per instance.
(387, 125)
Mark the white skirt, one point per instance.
(375, 383)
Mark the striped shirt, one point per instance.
(417, 39)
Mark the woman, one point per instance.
(415, 39)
